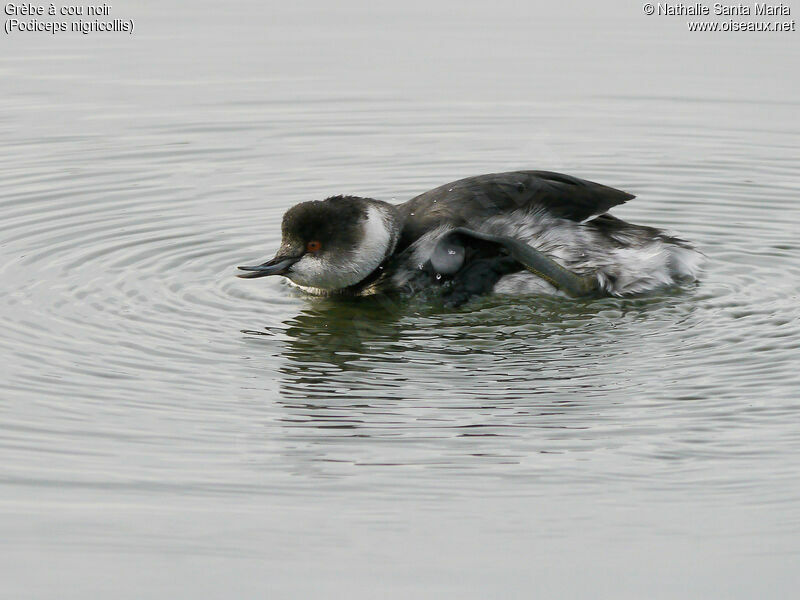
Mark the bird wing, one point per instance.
(471, 200)
(461, 250)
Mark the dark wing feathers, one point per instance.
(467, 201)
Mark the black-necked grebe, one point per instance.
(519, 232)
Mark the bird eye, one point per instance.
(313, 246)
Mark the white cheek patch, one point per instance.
(306, 270)
(377, 239)
(318, 272)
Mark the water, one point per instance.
(169, 430)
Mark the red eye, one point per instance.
(313, 246)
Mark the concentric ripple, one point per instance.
(138, 368)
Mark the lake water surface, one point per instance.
(168, 430)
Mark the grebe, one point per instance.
(513, 233)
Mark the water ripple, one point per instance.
(125, 330)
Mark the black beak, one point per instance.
(277, 266)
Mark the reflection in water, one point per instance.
(338, 333)
(138, 423)
(374, 367)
